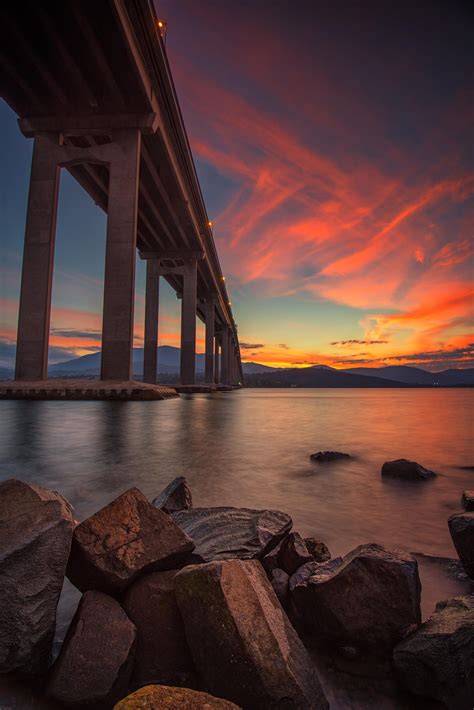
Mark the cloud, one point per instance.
(73, 333)
(359, 342)
(284, 346)
(251, 346)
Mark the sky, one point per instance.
(333, 142)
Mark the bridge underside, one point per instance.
(91, 85)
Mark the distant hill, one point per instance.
(252, 368)
(317, 377)
(417, 376)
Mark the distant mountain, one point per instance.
(417, 376)
(252, 368)
(89, 365)
(316, 377)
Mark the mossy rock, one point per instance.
(163, 697)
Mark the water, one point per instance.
(251, 448)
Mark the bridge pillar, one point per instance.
(120, 255)
(216, 359)
(38, 257)
(152, 297)
(188, 322)
(225, 356)
(209, 357)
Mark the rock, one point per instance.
(162, 654)
(461, 527)
(406, 470)
(438, 660)
(242, 642)
(293, 553)
(126, 538)
(280, 581)
(96, 658)
(36, 529)
(161, 697)
(324, 456)
(270, 561)
(468, 500)
(176, 496)
(318, 550)
(369, 599)
(230, 533)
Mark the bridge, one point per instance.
(91, 84)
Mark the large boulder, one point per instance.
(438, 660)
(242, 642)
(232, 533)
(162, 654)
(293, 553)
(369, 599)
(36, 529)
(126, 538)
(95, 664)
(176, 496)
(160, 697)
(461, 527)
(406, 470)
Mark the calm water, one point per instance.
(251, 448)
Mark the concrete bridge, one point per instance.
(91, 84)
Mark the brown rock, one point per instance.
(406, 470)
(242, 642)
(176, 496)
(318, 550)
(369, 599)
(461, 527)
(270, 561)
(293, 553)
(280, 581)
(160, 697)
(162, 654)
(438, 660)
(35, 538)
(94, 666)
(468, 500)
(233, 533)
(126, 538)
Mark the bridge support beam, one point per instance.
(188, 322)
(209, 357)
(152, 298)
(38, 258)
(225, 375)
(216, 359)
(120, 256)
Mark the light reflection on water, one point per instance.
(251, 448)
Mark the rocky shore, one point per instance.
(222, 608)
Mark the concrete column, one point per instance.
(152, 298)
(209, 358)
(38, 258)
(216, 359)
(119, 281)
(225, 357)
(188, 323)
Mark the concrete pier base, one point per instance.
(64, 389)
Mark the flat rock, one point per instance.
(369, 599)
(162, 654)
(242, 642)
(126, 538)
(324, 456)
(36, 529)
(161, 697)
(461, 527)
(95, 663)
(293, 553)
(176, 496)
(318, 550)
(468, 500)
(406, 470)
(438, 660)
(233, 533)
